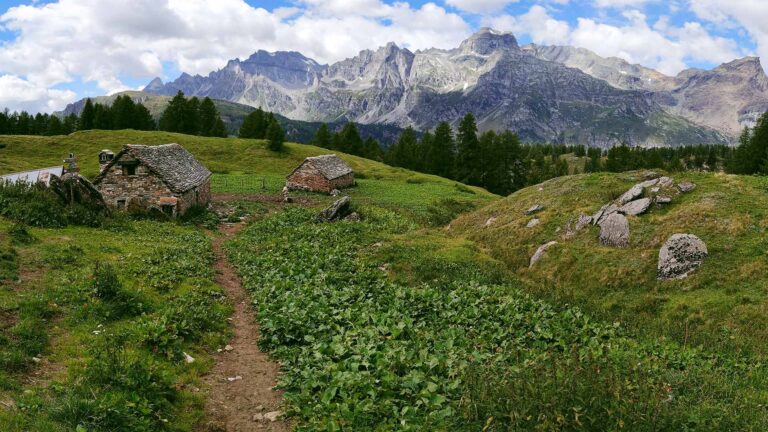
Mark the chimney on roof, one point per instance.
(70, 164)
(105, 157)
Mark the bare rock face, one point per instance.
(680, 255)
(336, 211)
(614, 231)
(686, 186)
(636, 207)
(540, 252)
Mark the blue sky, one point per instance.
(54, 52)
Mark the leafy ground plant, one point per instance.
(361, 352)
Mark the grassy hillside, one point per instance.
(721, 305)
(243, 166)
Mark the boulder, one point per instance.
(353, 217)
(636, 207)
(666, 181)
(335, 192)
(540, 252)
(680, 255)
(686, 186)
(534, 209)
(663, 200)
(634, 193)
(649, 183)
(336, 211)
(607, 210)
(533, 223)
(614, 231)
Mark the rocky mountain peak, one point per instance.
(154, 85)
(487, 40)
(746, 65)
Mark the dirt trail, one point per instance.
(241, 396)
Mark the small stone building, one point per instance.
(321, 174)
(143, 178)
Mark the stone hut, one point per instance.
(165, 177)
(321, 174)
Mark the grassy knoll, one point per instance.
(99, 346)
(722, 305)
(449, 342)
(246, 166)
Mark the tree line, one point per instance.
(263, 125)
(751, 156)
(192, 117)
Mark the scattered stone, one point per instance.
(260, 408)
(235, 378)
(534, 209)
(335, 192)
(188, 358)
(614, 231)
(665, 181)
(541, 189)
(272, 416)
(651, 175)
(599, 214)
(533, 223)
(607, 210)
(37, 359)
(636, 207)
(258, 417)
(228, 348)
(353, 217)
(649, 183)
(663, 200)
(634, 193)
(490, 222)
(680, 255)
(384, 267)
(540, 252)
(686, 186)
(655, 190)
(336, 211)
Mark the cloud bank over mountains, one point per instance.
(56, 52)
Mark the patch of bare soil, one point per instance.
(241, 395)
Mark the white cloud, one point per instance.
(663, 47)
(479, 6)
(20, 94)
(621, 4)
(68, 40)
(750, 15)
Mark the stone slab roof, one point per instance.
(177, 167)
(330, 166)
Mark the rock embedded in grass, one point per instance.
(663, 200)
(533, 222)
(336, 211)
(680, 255)
(632, 194)
(636, 207)
(614, 231)
(540, 252)
(686, 186)
(534, 209)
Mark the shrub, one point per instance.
(116, 301)
(20, 235)
(38, 206)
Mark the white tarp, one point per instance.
(34, 176)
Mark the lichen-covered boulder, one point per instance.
(680, 255)
(614, 231)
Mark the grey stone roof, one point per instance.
(330, 166)
(178, 169)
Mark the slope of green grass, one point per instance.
(240, 165)
(722, 305)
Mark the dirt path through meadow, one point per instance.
(241, 397)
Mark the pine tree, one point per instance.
(441, 153)
(69, 124)
(208, 118)
(275, 136)
(54, 126)
(468, 157)
(102, 118)
(402, 153)
(173, 117)
(123, 112)
(87, 116)
(350, 140)
(143, 119)
(255, 125)
(192, 117)
(322, 137)
(372, 149)
(219, 129)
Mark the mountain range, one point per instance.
(555, 94)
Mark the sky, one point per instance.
(56, 52)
